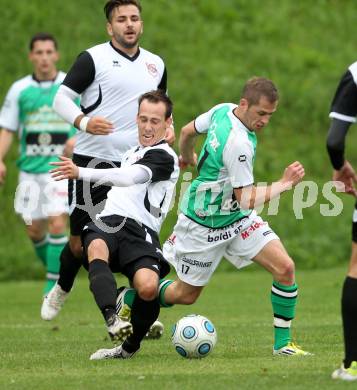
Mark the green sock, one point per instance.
(163, 284)
(129, 297)
(283, 299)
(56, 243)
(41, 249)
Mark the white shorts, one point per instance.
(196, 251)
(38, 196)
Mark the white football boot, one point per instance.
(53, 302)
(346, 374)
(112, 353)
(118, 329)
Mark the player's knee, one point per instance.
(97, 249)
(147, 291)
(286, 271)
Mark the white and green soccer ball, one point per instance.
(194, 336)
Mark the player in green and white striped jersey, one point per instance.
(43, 136)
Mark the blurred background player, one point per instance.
(110, 78)
(343, 113)
(43, 136)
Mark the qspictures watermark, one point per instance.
(305, 195)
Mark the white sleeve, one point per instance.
(9, 115)
(238, 159)
(203, 121)
(64, 104)
(119, 177)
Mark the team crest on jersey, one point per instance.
(44, 139)
(152, 69)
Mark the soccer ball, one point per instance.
(194, 336)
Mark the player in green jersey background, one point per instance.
(43, 135)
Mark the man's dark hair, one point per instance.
(111, 4)
(157, 97)
(256, 87)
(42, 36)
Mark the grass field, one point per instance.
(39, 355)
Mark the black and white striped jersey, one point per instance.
(110, 83)
(147, 203)
(344, 104)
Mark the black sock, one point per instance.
(349, 319)
(69, 268)
(143, 315)
(103, 286)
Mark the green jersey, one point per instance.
(225, 162)
(42, 133)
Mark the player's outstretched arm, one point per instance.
(119, 177)
(253, 196)
(66, 169)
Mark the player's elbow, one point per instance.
(185, 131)
(246, 204)
(245, 197)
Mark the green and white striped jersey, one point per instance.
(42, 133)
(225, 162)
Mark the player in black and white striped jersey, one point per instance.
(344, 114)
(109, 78)
(124, 238)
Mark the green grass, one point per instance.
(39, 355)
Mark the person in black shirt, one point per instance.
(109, 78)
(343, 113)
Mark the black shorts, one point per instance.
(131, 246)
(354, 225)
(85, 200)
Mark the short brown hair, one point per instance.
(256, 87)
(157, 97)
(42, 36)
(111, 4)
